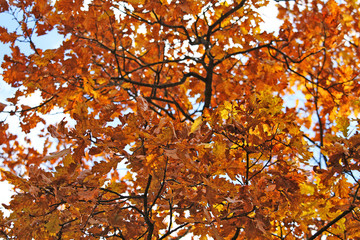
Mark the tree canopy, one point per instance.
(226, 130)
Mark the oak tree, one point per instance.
(227, 130)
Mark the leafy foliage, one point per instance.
(193, 98)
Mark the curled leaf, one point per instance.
(57, 154)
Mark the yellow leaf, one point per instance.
(219, 149)
(136, 2)
(224, 114)
(306, 188)
(196, 125)
(343, 123)
(68, 159)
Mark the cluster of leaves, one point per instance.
(191, 96)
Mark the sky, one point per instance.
(7, 91)
(53, 40)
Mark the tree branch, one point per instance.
(161, 86)
(327, 226)
(226, 15)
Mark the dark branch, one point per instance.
(327, 226)
(161, 86)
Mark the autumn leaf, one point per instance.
(136, 2)
(2, 107)
(343, 124)
(53, 225)
(57, 154)
(195, 126)
(95, 150)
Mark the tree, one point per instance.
(193, 97)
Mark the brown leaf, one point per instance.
(171, 153)
(271, 188)
(2, 107)
(142, 104)
(57, 154)
(95, 150)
